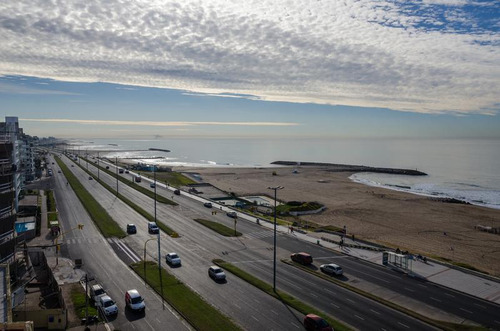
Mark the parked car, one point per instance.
(177, 192)
(331, 269)
(96, 291)
(173, 259)
(208, 204)
(134, 301)
(302, 258)
(107, 305)
(216, 273)
(313, 322)
(232, 214)
(153, 228)
(131, 228)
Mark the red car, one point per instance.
(315, 323)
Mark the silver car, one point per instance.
(331, 269)
(107, 305)
(216, 273)
(173, 259)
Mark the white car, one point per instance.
(96, 292)
(173, 259)
(332, 269)
(108, 306)
(134, 301)
(216, 273)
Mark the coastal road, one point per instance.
(420, 293)
(352, 308)
(101, 263)
(248, 306)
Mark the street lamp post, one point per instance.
(97, 165)
(116, 166)
(145, 259)
(275, 189)
(159, 252)
(79, 226)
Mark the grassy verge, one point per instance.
(283, 297)
(51, 207)
(440, 324)
(134, 206)
(143, 190)
(219, 228)
(170, 178)
(200, 314)
(78, 297)
(107, 226)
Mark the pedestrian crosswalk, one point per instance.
(260, 234)
(87, 240)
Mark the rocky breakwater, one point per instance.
(352, 168)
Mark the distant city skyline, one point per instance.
(351, 69)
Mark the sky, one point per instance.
(267, 68)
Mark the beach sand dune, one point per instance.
(396, 219)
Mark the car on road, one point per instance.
(126, 171)
(152, 185)
(153, 228)
(331, 269)
(107, 167)
(173, 259)
(131, 228)
(177, 192)
(208, 204)
(120, 171)
(107, 305)
(313, 322)
(302, 258)
(72, 165)
(96, 292)
(58, 171)
(232, 214)
(90, 178)
(134, 301)
(216, 273)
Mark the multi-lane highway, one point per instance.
(253, 252)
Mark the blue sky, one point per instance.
(255, 68)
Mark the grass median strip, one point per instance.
(440, 324)
(219, 228)
(106, 224)
(134, 206)
(282, 296)
(143, 190)
(199, 313)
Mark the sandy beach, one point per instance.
(415, 223)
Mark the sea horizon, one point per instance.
(462, 169)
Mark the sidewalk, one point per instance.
(449, 276)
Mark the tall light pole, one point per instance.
(116, 166)
(275, 189)
(145, 282)
(159, 252)
(97, 165)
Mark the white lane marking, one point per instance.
(297, 326)
(330, 291)
(314, 295)
(274, 312)
(237, 306)
(334, 305)
(159, 322)
(381, 279)
(361, 318)
(409, 289)
(435, 299)
(448, 294)
(498, 322)
(406, 326)
(376, 312)
(255, 318)
(350, 300)
(477, 304)
(422, 285)
(467, 311)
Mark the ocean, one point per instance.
(464, 169)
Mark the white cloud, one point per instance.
(360, 53)
(149, 123)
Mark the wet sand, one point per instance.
(396, 219)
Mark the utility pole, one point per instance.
(275, 189)
(116, 166)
